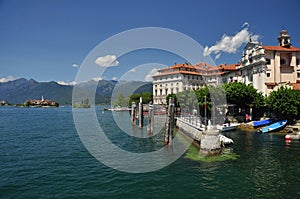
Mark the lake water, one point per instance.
(42, 156)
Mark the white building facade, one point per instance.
(265, 67)
(269, 67)
(180, 77)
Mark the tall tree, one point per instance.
(243, 95)
(285, 103)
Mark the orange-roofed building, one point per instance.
(180, 77)
(269, 67)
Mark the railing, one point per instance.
(192, 120)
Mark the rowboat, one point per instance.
(274, 127)
(262, 123)
(227, 127)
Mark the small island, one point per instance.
(40, 103)
(83, 104)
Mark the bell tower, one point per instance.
(284, 39)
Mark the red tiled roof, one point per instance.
(188, 73)
(280, 48)
(178, 66)
(177, 72)
(230, 67)
(296, 86)
(199, 69)
(206, 67)
(270, 84)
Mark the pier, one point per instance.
(207, 140)
(206, 137)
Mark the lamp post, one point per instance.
(205, 118)
(213, 112)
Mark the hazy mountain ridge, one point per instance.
(20, 90)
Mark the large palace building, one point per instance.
(264, 67)
(180, 77)
(269, 67)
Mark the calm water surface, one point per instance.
(41, 156)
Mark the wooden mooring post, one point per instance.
(133, 114)
(150, 126)
(169, 123)
(141, 113)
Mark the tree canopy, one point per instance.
(243, 95)
(146, 96)
(285, 102)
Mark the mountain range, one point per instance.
(20, 90)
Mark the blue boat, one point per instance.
(262, 123)
(274, 127)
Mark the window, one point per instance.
(282, 61)
(160, 92)
(298, 75)
(297, 61)
(268, 61)
(155, 92)
(250, 58)
(268, 74)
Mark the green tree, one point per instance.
(175, 99)
(119, 100)
(284, 103)
(146, 97)
(243, 95)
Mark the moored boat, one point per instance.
(262, 123)
(274, 127)
(227, 127)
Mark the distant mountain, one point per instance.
(20, 90)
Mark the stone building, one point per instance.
(180, 77)
(269, 67)
(265, 67)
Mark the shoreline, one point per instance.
(287, 130)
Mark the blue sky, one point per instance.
(44, 39)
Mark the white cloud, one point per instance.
(148, 77)
(245, 25)
(97, 79)
(75, 65)
(8, 78)
(114, 78)
(230, 44)
(107, 60)
(133, 70)
(67, 83)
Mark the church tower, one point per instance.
(284, 39)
